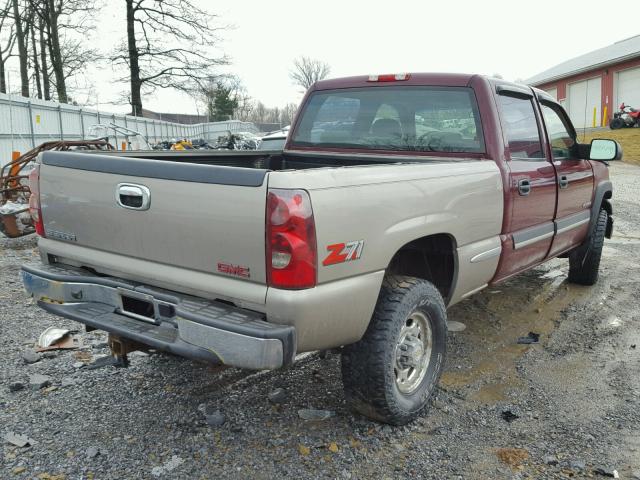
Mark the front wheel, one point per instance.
(616, 123)
(392, 371)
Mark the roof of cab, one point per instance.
(415, 79)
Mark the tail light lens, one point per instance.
(34, 200)
(393, 77)
(291, 240)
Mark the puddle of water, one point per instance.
(491, 393)
(513, 314)
(554, 274)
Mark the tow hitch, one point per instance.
(120, 347)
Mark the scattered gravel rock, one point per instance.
(92, 452)
(18, 440)
(138, 353)
(29, 357)
(550, 460)
(577, 464)
(68, 381)
(38, 381)
(576, 392)
(167, 467)
(454, 326)
(607, 472)
(16, 386)
(214, 418)
(278, 396)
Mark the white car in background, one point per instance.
(274, 140)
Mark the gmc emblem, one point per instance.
(235, 270)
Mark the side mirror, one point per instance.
(605, 150)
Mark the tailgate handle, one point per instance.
(133, 197)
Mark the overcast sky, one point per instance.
(515, 39)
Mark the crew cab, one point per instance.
(395, 197)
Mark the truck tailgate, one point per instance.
(203, 218)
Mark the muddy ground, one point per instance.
(566, 407)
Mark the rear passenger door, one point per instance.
(528, 226)
(575, 180)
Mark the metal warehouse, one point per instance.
(592, 86)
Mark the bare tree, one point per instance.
(245, 106)
(6, 43)
(307, 71)
(288, 113)
(169, 45)
(46, 82)
(51, 13)
(62, 55)
(21, 37)
(68, 56)
(35, 62)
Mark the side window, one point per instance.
(521, 127)
(562, 142)
(334, 119)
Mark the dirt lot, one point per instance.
(565, 407)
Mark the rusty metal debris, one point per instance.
(15, 220)
(57, 339)
(51, 335)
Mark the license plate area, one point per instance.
(137, 305)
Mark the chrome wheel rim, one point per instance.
(413, 353)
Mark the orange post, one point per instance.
(15, 168)
(124, 146)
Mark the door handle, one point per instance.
(133, 197)
(563, 181)
(524, 187)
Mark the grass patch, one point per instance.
(629, 138)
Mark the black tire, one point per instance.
(369, 367)
(616, 123)
(584, 262)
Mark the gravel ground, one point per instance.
(566, 407)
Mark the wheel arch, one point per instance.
(431, 257)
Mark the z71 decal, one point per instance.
(343, 252)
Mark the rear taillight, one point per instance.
(291, 240)
(34, 200)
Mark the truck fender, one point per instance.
(603, 192)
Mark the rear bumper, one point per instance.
(187, 326)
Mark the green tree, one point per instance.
(221, 98)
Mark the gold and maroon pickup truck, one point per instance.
(394, 197)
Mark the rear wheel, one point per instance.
(392, 371)
(616, 123)
(584, 262)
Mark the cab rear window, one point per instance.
(422, 119)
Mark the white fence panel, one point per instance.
(26, 123)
